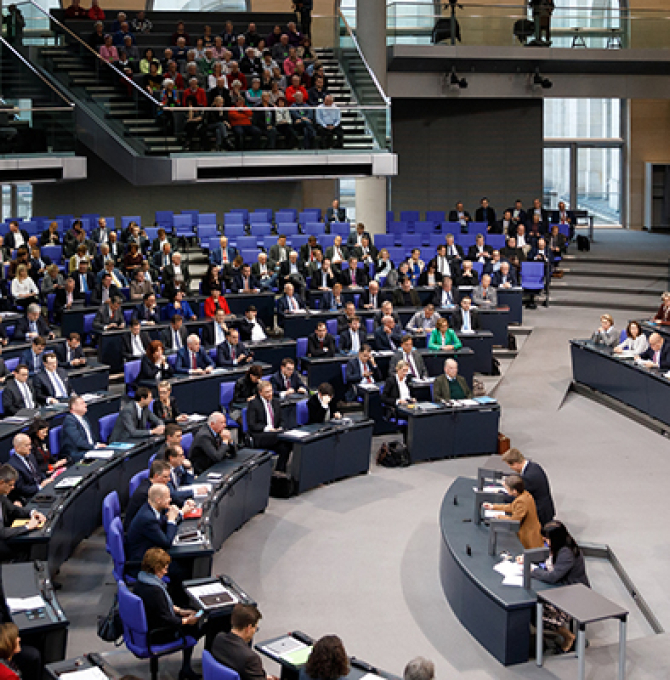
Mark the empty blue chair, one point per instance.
(136, 633)
(259, 217)
(234, 231)
(425, 227)
(207, 232)
(479, 268)
(232, 218)
(496, 241)
(131, 369)
(163, 219)
(54, 253)
(370, 325)
(398, 229)
(384, 241)
(152, 232)
(477, 227)
(317, 229)
(261, 229)
(136, 480)
(340, 229)
(296, 242)
(186, 442)
(412, 241)
(410, 216)
(532, 276)
(111, 508)
(286, 215)
(435, 215)
(249, 255)
(326, 240)
(227, 389)
(301, 412)
(11, 364)
(213, 670)
(183, 221)
(111, 223)
(116, 548)
(246, 242)
(268, 212)
(317, 211)
(244, 212)
(125, 221)
(301, 347)
(288, 228)
(331, 325)
(465, 240)
(54, 440)
(207, 219)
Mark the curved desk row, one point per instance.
(497, 616)
(646, 390)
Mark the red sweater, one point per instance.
(210, 307)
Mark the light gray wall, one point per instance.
(463, 150)
(107, 193)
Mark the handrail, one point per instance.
(122, 75)
(387, 100)
(254, 109)
(37, 73)
(38, 109)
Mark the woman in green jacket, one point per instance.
(443, 337)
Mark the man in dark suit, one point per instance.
(308, 250)
(454, 252)
(321, 343)
(213, 334)
(657, 355)
(147, 311)
(159, 473)
(101, 233)
(279, 252)
(361, 369)
(417, 368)
(84, 280)
(71, 354)
(16, 237)
(193, 359)
(52, 384)
(30, 480)
(353, 338)
(445, 266)
(232, 352)
(564, 216)
(366, 252)
(535, 481)
(149, 528)
(134, 344)
(104, 290)
(163, 257)
(519, 216)
(505, 225)
(371, 297)
(175, 336)
(388, 336)
(485, 213)
(32, 325)
(465, 319)
(109, 316)
(234, 649)
(286, 380)
(511, 252)
(357, 235)
(337, 253)
(445, 295)
(542, 214)
(265, 421)
(335, 213)
(212, 444)
(354, 276)
(480, 252)
(134, 418)
(345, 316)
(540, 252)
(18, 393)
(33, 357)
(288, 303)
(245, 282)
(323, 278)
(181, 475)
(504, 277)
(77, 436)
(459, 214)
(406, 296)
(292, 271)
(66, 298)
(10, 512)
(176, 276)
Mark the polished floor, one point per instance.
(359, 557)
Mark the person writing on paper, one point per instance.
(165, 621)
(565, 567)
(635, 342)
(318, 405)
(606, 333)
(657, 355)
(450, 385)
(327, 661)
(443, 337)
(521, 509)
(234, 649)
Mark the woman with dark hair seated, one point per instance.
(318, 405)
(39, 438)
(328, 660)
(212, 280)
(166, 621)
(154, 366)
(132, 260)
(565, 567)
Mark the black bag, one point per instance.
(495, 366)
(393, 454)
(110, 628)
(511, 342)
(583, 243)
(281, 485)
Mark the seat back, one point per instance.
(106, 425)
(135, 631)
(11, 364)
(116, 547)
(226, 392)
(213, 670)
(301, 412)
(54, 440)
(135, 481)
(532, 274)
(301, 347)
(125, 221)
(111, 508)
(131, 369)
(186, 442)
(331, 325)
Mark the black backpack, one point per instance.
(393, 454)
(583, 243)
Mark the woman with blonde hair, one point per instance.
(606, 333)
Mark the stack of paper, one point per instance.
(94, 673)
(25, 604)
(300, 434)
(491, 514)
(68, 482)
(88, 398)
(99, 454)
(196, 417)
(511, 571)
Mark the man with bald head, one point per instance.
(450, 385)
(30, 479)
(212, 444)
(192, 359)
(658, 353)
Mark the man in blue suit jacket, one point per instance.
(179, 475)
(286, 380)
(217, 255)
(388, 335)
(30, 479)
(154, 526)
(32, 357)
(186, 355)
(289, 302)
(504, 277)
(232, 352)
(361, 368)
(147, 311)
(77, 437)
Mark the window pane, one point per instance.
(582, 118)
(599, 184)
(556, 177)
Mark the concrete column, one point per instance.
(371, 203)
(371, 35)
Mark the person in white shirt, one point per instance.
(521, 240)
(396, 388)
(254, 326)
(23, 287)
(635, 342)
(374, 301)
(441, 261)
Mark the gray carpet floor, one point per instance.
(359, 557)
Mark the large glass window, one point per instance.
(582, 118)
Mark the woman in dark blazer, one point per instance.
(318, 405)
(212, 280)
(165, 407)
(161, 613)
(39, 438)
(396, 388)
(154, 366)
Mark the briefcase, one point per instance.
(503, 443)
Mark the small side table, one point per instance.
(585, 606)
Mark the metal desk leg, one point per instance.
(622, 648)
(581, 651)
(539, 634)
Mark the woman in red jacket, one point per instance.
(10, 644)
(215, 301)
(96, 13)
